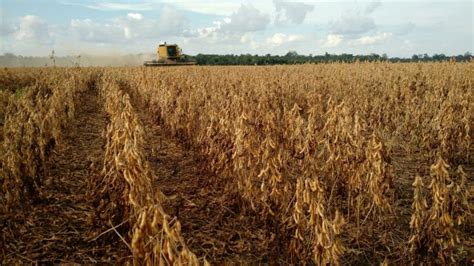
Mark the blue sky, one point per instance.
(398, 28)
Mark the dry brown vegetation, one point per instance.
(363, 163)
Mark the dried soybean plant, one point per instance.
(314, 229)
(418, 218)
(155, 237)
(380, 179)
(436, 227)
(271, 132)
(33, 125)
(441, 235)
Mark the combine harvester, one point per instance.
(169, 55)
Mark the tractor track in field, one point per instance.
(213, 225)
(61, 225)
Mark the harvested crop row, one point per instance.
(154, 237)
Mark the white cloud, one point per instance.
(352, 24)
(110, 6)
(133, 27)
(135, 16)
(7, 27)
(249, 39)
(246, 19)
(333, 40)
(206, 7)
(256, 26)
(405, 28)
(171, 22)
(6, 24)
(210, 7)
(246, 38)
(90, 31)
(238, 32)
(292, 12)
(33, 29)
(127, 33)
(236, 28)
(280, 38)
(371, 39)
(372, 6)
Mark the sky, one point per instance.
(105, 27)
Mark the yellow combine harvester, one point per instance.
(169, 55)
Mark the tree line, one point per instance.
(292, 57)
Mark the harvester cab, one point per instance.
(169, 55)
